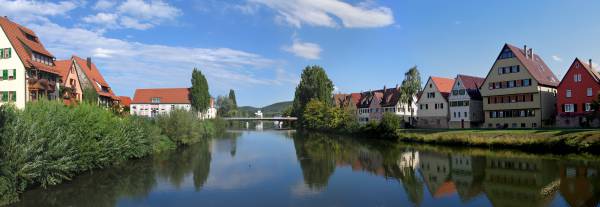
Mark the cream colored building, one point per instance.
(433, 105)
(161, 101)
(519, 91)
(27, 68)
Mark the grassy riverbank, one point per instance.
(48, 142)
(551, 140)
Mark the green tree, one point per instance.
(389, 124)
(90, 95)
(411, 85)
(316, 115)
(225, 106)
(314, 84)
(200, 97)
(232, 99)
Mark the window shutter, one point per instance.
(14, 73)
(574, 107)
(1, 53)
(8, 55)
(4, 96)
(4, 74)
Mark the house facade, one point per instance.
(433, 111)
(466, 106)
(519, 91)
(71, 88)
(28, 69)
(373, 104)
(576, 92)
(161, 101)
(90, 77)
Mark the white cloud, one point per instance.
(129, 65)
(557, 58)
(104, 4)
(28, 10)
(133, 14)
(305, 50)
(325, 12)
(102, 18)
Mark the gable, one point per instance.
(579, 67)
(529, 62)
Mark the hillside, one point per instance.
(270, 110)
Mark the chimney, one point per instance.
(531, 53)
(89, 63)
(525, 50)
(591, 65)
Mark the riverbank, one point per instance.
(551, 140)
(48, 142)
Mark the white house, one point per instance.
(374, 104)
(161, 101)
(433, 103)
(466, 105)
(27, 68)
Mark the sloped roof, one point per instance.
(125, 100)
(472, 85)
(444, 85)
(63, 67)
(166, 95)
(17, 36)
(590, 68)
(94, 75)
(536, 67)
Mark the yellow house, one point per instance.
(519, 91)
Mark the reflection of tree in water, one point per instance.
(316, 155)
(176, 165)
(133, 179)
(231, 139)
(399, 167)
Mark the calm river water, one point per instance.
(285, 168)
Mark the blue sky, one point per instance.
(259, 47)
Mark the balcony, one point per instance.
(41, 84)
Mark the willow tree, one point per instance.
(199, 95)
(314, 85)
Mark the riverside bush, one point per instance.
(48, 142)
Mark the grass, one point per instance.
(555, 140)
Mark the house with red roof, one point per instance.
(71, 90)
(466, 106)
(161, 101)
(433, 111)
(27, 68)
(373, 104)
(90, 77)
(519, 90)
(578, 89)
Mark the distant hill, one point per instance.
(270, 110)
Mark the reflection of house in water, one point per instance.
(435, 170)
(409, 160)
(520, 182)
(368, 161)
(467, 174)
(579, 183)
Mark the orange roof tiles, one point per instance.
(166, 95)
(94, 75)
(125, 100)
(63, 67)
(443, 84)
(17, 36)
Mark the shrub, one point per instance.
(183, 127)
(388, 125)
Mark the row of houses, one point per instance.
(519, 91)
(30, 72)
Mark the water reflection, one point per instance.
(306, 169)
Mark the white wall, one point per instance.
(431, 111)
(163, 109)
(17, 85)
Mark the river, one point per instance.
(286, 168)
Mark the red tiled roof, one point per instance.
(125, 100)
(166, 95)
(471, 82)
(93, 74)
(21, 44)
(445, 189)
(444, 85)
(63, 67)
(590, 69)
(536, 67)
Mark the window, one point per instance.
(589, 92)
(568, 93)
(8, 96)
(5, 53)
(577, 77)
(458, 114)
(527, 82)
(442, 105)
(172, 107)
(431, 95)
(426, 106)
(455, 114)
(466, 114)
(588, 107)
(569, 108)
(155, 100)
(506, 53)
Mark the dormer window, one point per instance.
(156, 100)
(31, 37)
(41, 58)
